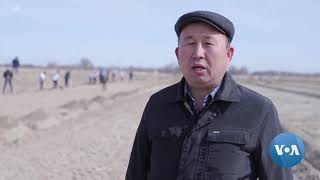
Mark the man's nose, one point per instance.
(198, 52)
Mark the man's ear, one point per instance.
(230, 53)
(177, 53)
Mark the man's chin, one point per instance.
(198, 82)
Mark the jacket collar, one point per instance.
(179, 92)
(228, 90)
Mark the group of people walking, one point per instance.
(100, 75)
(8, 78)
(55, 79)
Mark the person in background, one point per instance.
(55, 80)
(130, 75)
(93, 76)
(113, 76)
(8, 76)
(103, 78)
(42, 78)
(66, 78)
(15, 64)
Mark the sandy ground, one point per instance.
(83, 132)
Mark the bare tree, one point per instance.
(52, 64)
(86, 63)
(238, 71)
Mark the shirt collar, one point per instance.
(227, 91)
(210, 95)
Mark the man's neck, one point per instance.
(199, 94)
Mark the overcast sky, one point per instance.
(270, 34)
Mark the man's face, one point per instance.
(203, 55)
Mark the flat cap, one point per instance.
(218, 21)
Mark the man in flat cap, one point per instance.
(206, 127)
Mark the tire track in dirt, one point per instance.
(287, 89)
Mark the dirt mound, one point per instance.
(99, 99)
(76, 104)
(33, 118)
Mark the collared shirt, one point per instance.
(192, 102)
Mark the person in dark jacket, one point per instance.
(7, 75)
(130, 75)
(206, 127)
(67, 78)
(15, 64)
(103, 78)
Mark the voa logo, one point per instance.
(293, 150)
(286, 150)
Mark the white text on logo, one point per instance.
(282, 148)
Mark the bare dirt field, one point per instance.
(83, 132)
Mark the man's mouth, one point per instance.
(198, 67)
